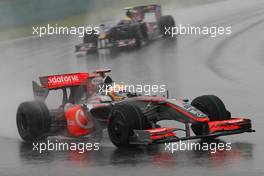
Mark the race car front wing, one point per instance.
(215, 129)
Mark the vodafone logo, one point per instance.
(82, 121)
(57, 81)
(62, 79)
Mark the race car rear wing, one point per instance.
(144, 8)
(139, 12)
(54, 82)
(64, 80)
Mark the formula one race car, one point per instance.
(141, 24)
(130, 118)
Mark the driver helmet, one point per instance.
(117, 92)
(129, 14)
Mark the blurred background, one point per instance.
(18, 16)
(230, 66)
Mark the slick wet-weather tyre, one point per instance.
(166, 22)
(124, 118)
(90, 38)
(33, 120)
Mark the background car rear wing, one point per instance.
(143, 8)
(139, 11)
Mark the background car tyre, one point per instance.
(212, 106)
(33, 120)
(90, 38)
(125, 118)
(166, 22)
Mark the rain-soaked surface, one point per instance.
(230, 66)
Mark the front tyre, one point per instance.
(212, 106)
(90, 38)
(33, 120)
(166, 22)
(125, 118)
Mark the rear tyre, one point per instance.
(125, 118)
(212, 106)
(166, 22)
(33, 120)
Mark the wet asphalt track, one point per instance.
(228, 66)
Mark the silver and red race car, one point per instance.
(140, 25)
(130, 118)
